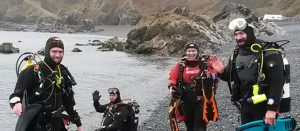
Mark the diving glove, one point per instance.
(96, 95)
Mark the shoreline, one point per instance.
(120, 31)
(229, 117)
(159, 119)
(228, 114)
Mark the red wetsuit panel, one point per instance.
(188, 74)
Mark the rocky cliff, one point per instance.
(73, 12)
(124, 12)
(167, 33)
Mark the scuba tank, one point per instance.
(285, 103)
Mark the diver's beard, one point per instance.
(57, 62)
(241, 42)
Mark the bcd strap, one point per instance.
(67, 73)
(232, 64)
(203, 63)
(181, 67)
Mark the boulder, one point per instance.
(114, 43)
(92, 43)
(105, 49)
(144, 48)
(96, 43)
(76, 50)
(77, 44)
(119, 46)
(167, 33)
(8, 48)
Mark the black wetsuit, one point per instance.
(52, 97)
(244, 78)
(116, 117)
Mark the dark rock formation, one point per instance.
(168, 32)
(8, 48)
(76, 50)
(91, 43)
(113, 43)
(77, 44)
(125, 12)
(234, 10)
(104, 49)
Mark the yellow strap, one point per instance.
(262, 62)
(58, 77)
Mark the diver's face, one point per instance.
(240, 37)
(191, 54)
(113, 97)
(56, 54)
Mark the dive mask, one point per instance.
(238, 24)
(112, 90)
